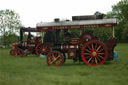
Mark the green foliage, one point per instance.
(32, 70)
(125, 32)
(103, 33)
(9, 38)
(9, 23)
(109, 15)
(120, 11)
(75, 33)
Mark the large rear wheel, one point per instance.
(94, 53)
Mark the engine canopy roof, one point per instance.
(77, 24)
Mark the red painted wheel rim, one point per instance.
(55, 58)
(94, 53)
(42, 49)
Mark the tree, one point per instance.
(120, 11)
(103, 33)
(10, 38)
(125, 32)
(9, 23)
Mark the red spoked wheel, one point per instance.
(42, 49)
(55, 58)
(20, 52)
(17, 52)
(94, 53)
(13, 52)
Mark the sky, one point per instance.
(33, 11)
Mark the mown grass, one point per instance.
(32, 70)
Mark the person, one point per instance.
(67, 33)
(29, 36)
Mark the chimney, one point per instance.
(56, 20)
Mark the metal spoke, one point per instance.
(52, 60)
(92, 61)
(89, 60)
(87, 50)
(86, 53)
(57, 62)
(101, 53)
(96, 60)
(101, 56)
(92, 46)
(87, 57)
(57, 59)
(89, 47)
(98, 48)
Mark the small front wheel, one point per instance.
(43, 49)
(20, 52)
(13, 52)
(55, 58)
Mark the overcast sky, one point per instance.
(34, 11)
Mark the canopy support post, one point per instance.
(113, 32)
(42, 36)
(80, 32)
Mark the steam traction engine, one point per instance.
(87, 48)
(22, 48)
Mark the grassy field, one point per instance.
(32, 70)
